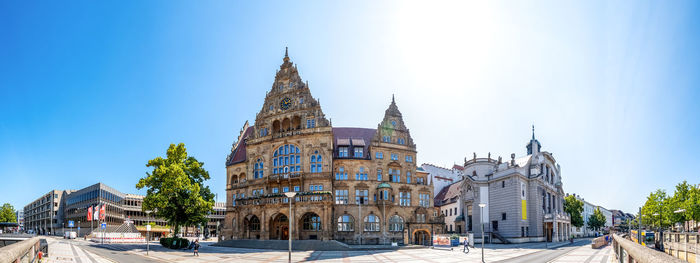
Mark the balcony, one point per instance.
(273, 199)
(559, 217)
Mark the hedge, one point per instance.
(174, 242)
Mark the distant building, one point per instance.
(45, 214)
(19, 214)
(588, 209)
(78, 202)
(442, 177)
(448, 200)
(608, 217)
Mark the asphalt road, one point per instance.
(547, 254)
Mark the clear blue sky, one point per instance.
(89, 91)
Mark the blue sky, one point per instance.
(89, 91)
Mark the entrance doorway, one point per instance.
(548, 230)
(279, 227)
(421, 237)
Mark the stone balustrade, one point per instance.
(629, 251)
(23, 251)
(682, 245)
(304, 197)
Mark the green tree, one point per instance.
(678, 202)
(596, 221)
(653, 210)
(692, 204)
(175, 188)
(574, 207)
(7, 213)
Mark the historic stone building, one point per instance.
(524, 197)
(355, 185)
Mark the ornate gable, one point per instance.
(392, 129)
(289, 104)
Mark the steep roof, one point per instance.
(447, 194)
(360, 137)
(238, 154)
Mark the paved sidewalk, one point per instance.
(588, 254)
(63, 250)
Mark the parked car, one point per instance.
(70, 235)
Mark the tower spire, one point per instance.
(533, 131)
(392, 99)
(286, 54)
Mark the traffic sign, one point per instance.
(103, 225)
(78, 228)
(70, 223)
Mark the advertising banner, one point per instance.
(441, 241)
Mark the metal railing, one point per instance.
(305, 197)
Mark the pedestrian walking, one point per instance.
(196, 247)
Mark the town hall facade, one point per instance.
(355, 185)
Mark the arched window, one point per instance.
(395, 223)
(316, 161)
(371, 223)
(346, 223)
(286, 159)
(258, 171)
(254, 224)
(311, 222)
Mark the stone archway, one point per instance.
(279, 227)
(310, 225)
(421, 237)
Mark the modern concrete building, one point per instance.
(355, 185)
(45, 214)
(523, 197)
(78, 202)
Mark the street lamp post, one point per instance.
(483, 238)
(678, 212)
(148, 230)
(289, 196)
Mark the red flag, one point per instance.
(89, 215)
(103, 212)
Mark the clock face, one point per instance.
(285, 103)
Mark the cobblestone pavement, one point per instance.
(588, 254)
(63, 249)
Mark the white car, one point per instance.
(70, 235)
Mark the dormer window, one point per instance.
(400, 141)
(358, 152)
(310, 123)
(342, 151)
(386, 138)
(272, 107)
(393, 123)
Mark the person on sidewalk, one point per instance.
(196, 247)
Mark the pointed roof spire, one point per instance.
(286, 54)
(533, 131)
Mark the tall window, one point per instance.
(341, 174)
(424, 200)
(310, 123)
(379, 175)
(341, 197)
(254, 224)
(408, 177)
(378, 155)
(361, 195)
(404, 198)
(361, 175)
(263, 132)
(346, 223)
(316, 163)
(258, 169)
(384, 195)
(395, 175)
(409, 159)
(394, 157)
(342, 151)
(286, 159)
(311, 222)
(395, 223)
(372, 223)
(420, 218)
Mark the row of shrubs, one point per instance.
(174, 242)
